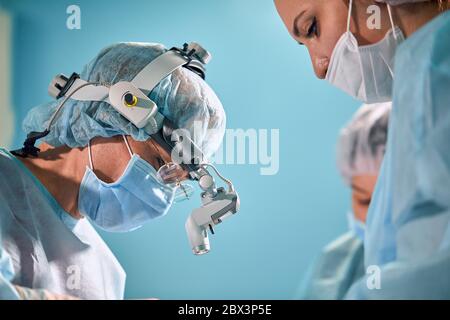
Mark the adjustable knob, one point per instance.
(61, 84)
(200, 53)
(56, 85)
(207, 184)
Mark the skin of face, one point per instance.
(319, 24)
(62, 169)
(362, 190)
(148, 150)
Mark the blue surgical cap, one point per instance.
(183, 97)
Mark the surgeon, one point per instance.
(360, 150)
(406, 59)
(95, 167)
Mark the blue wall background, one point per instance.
(265, 81)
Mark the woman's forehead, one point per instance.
(287, 5)
(289, 10)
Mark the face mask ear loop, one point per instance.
(128, 146)
(349, 18)
(90, 155)
(392, 21)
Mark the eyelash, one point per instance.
(364, 202)
(313, 28)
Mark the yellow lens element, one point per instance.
(130, 100)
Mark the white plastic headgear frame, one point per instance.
(130, 99)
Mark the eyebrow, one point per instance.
(295, 30)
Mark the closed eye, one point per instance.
(365, 202)
(160, 161)
(312, 31)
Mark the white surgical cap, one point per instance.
(362, 141)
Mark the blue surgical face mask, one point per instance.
(125, 205)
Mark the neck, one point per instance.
(60, 170)
(411, 17)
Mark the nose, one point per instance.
(320, 65)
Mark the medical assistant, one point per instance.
(408, 230)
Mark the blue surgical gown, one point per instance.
(408, 230)
(339, 265)
(43, 247)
